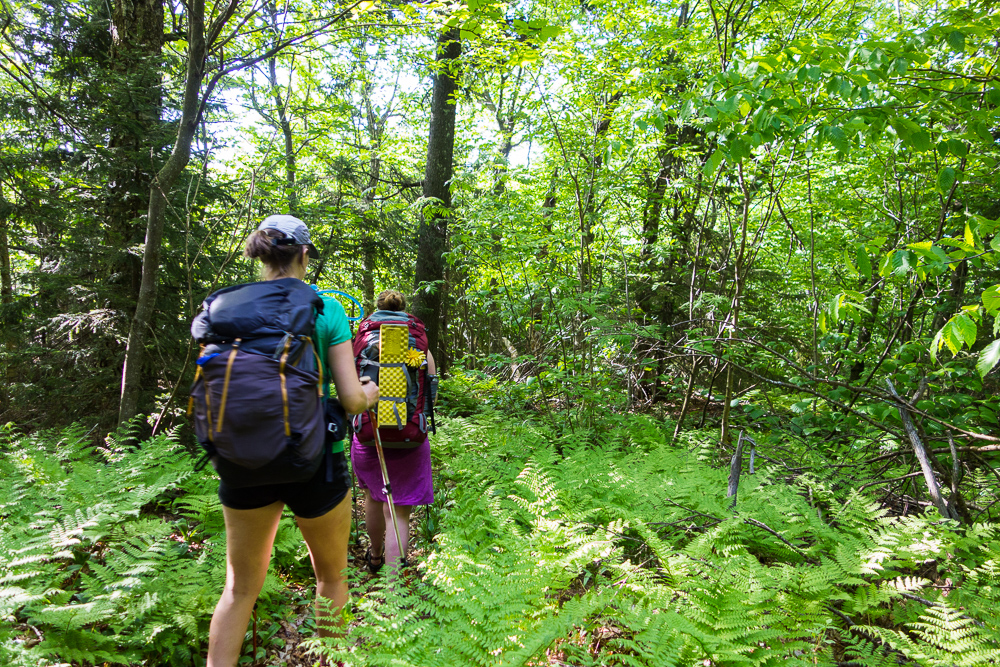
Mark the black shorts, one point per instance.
(309, 500)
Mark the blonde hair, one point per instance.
(391, 299)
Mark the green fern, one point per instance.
(89, 564)
(942, 636)
(549, 548)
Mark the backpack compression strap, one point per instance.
(208, 405)
(197, 374)
(284, 388)
(208, 411)
(225, 386)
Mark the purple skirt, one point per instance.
(409, 472)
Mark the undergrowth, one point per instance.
(607, 546)
(616, 548)
(113, 554)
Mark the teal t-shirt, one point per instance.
(332, 328)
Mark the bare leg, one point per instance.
(249, 537)
(327, 538)
(375, 524)
(392, 553)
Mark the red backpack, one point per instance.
(397, 430)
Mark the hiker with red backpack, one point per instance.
(269, 427)
(403, 418)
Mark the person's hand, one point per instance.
(371, 391)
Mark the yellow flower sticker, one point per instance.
(415, 358)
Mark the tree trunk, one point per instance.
(433, 232)
(740, 270)
(6, 279)
(865, 337)
(588, 211)
(6, 298)
(156, 215)
(285, 126)
(134, 112)
(376, 127)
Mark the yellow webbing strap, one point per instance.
(208, 409)
(319, 364)
(225, 385)
(284, 388)
(197, 374)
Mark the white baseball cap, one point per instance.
(294, 230)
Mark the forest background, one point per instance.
(655, 243)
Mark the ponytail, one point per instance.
(277, 259)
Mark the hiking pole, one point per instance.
(387, 488)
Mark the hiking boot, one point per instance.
(373, 567)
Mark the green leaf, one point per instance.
(982, 130)
(930, 251)
(966, 329)
(834, 308)
(856, 296)
(864, 263)
(904, 128)
(958, 148)
(688, 110)
(849, 264)
(921, 141)
(958, 243)
(950, 337)
(727, 106)
(956, 40)
(936, 345)
(991, 300)
(886, 265)
(549, 31)
(903, 261)
(838, 138)
(988, 358)
(945, 180)
(801, 406)
(713, 163)
(738, 149)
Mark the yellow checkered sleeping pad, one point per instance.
(394, 341)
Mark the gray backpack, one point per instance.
(257, 390)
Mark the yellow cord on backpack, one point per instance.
(284, 388)
(225, 385)
(208, 409)
(197, 374)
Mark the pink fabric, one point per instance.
(409, 472)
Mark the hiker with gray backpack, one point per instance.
(264, 414)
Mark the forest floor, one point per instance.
(297, 627)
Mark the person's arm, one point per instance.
(431, 366)
(354, 396)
